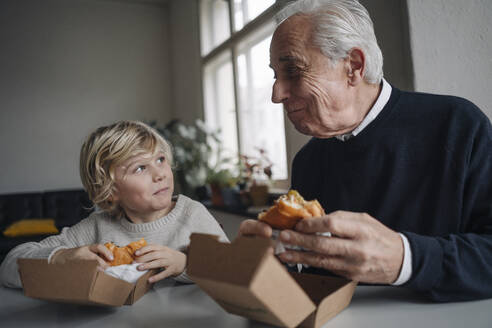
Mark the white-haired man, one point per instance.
(405, 177)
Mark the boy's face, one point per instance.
(144, 187)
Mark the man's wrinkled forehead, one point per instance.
(291, 39)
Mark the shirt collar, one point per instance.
(378, 106)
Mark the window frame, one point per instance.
(231, 45)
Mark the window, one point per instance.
(237, 82)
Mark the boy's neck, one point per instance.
(138, 218)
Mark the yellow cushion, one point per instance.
(29, 227)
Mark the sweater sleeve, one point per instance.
(458, 266)
(201, 221)
(78, 235)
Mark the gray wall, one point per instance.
(186, 86)
(451, 44)
(67, 67)
(390, 20)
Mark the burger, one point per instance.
(289, 209)
(125, 254)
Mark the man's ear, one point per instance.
(356, 66)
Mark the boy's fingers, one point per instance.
(151, 256)
(149, 248)
(160, 276)
(101, 250)
(102, 264)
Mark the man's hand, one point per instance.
(157, 256)
(255, 228)
(361, 248)
(96, 252)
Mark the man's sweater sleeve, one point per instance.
(459, 266)
(79, 235)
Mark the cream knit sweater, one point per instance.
(172, 230)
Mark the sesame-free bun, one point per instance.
(290, 209)
(125, 254)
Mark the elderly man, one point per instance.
(405, 177)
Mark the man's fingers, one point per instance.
(332, 246)
(340, 223)
(255, 228)
(332, 263)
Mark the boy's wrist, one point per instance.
(56, 255)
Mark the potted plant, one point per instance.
(192, 148)
(257, 175)
(221, 182)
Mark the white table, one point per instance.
(173, 305)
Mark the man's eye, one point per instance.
(291, 70)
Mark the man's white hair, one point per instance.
(338, 26)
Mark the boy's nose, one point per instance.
(158, 174)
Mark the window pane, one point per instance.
(214, 23)
(219, 101)
(261, 121)
(247, 10)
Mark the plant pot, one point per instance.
(259, 195)
(232, 198)
(202, 193)
(216, 195)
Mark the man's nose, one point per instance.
(280, 91)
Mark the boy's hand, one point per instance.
(157, 256)
(96, 252)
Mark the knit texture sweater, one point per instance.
(173, 230)
(423, 167)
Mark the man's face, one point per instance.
(316, 95)
(144, 187)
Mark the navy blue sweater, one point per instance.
(423, 167)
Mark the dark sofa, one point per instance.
(66, 207)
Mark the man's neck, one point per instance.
(367, 98)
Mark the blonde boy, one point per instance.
(126, 169)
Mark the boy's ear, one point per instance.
(114, 197)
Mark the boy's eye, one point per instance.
(161, 159)
(140, 168)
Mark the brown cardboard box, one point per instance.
(245, 278)
(78, 282)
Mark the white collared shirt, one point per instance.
(378, 106)
(383, 98)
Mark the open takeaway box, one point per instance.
(78, 282)
(246, 279)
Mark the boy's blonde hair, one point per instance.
(108, 147)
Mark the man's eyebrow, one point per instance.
(290, 59)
